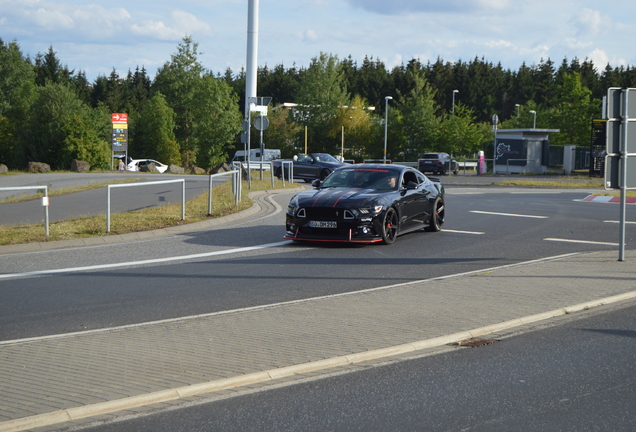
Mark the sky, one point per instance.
(98, 36)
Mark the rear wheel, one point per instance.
(324, 173)
(390, 226)
(437, 217)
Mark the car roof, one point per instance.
(389, 167)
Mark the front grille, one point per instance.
(326, 214)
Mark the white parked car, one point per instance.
(135, 164)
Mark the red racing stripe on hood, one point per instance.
(329, 194)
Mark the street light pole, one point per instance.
(517, 106)
(534, 121)
(454, 91)
(386, 121)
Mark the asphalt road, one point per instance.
(94, 202)
(232, 277)
(575, 375)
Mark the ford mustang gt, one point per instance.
(366, 204)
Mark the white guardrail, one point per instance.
(144, 184)
(236, 187)
(45, 201)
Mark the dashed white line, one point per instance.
(580, 241)
(508, 214)
(463, 232)
(627, 222)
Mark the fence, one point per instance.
(45, 201)
(144, 184)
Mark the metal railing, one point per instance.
(108, 188)
(236, 187)
(265, 165)
(45, 201)
(282, 171)
(475, 162)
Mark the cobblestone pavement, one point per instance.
(48, 381)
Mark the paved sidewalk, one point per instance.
(51, 381)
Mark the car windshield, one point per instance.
(324, 157)
(431, 156)
(363, 178)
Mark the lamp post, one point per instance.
(453, 109)
(386, 121)
(534, 121)
(517, 106)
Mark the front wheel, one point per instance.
(390, 226)
(437, 216)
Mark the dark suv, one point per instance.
(437, 163)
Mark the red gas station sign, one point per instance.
(120, 118)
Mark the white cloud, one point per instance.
(190, 24)
(396, 7)
(309, 36)
(156, 30)
(591, 22)
(599, 58)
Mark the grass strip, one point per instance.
(196, 210)
(546, 184)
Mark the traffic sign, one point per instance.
(613, 167)
(261, 123)
(614, 100)
(615, 135)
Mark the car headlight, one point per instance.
(371, 211)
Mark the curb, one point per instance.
(77, 413)
(609, 199)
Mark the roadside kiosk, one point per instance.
(522, 151)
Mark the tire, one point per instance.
(437, 217)
(324, 173)
(390, 226)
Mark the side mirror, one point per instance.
(316, 183)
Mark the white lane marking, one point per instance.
(627, 222)
(291, 302)
(463, 232)
(580, 241)
(144, 262)
(508, 214)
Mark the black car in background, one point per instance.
(437, 163)
(309, 167)
(366, 203)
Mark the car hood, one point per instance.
(350, 198)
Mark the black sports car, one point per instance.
(310, 166)
(366, 204)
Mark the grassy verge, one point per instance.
(553, 184)
(142, 220)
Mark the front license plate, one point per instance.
(323, 224)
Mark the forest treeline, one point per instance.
(189, 115)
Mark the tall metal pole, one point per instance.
(454, 91)
(534, 120)
(250, 74)
(386, 121)
(623, 174)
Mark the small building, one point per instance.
(522, 151)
